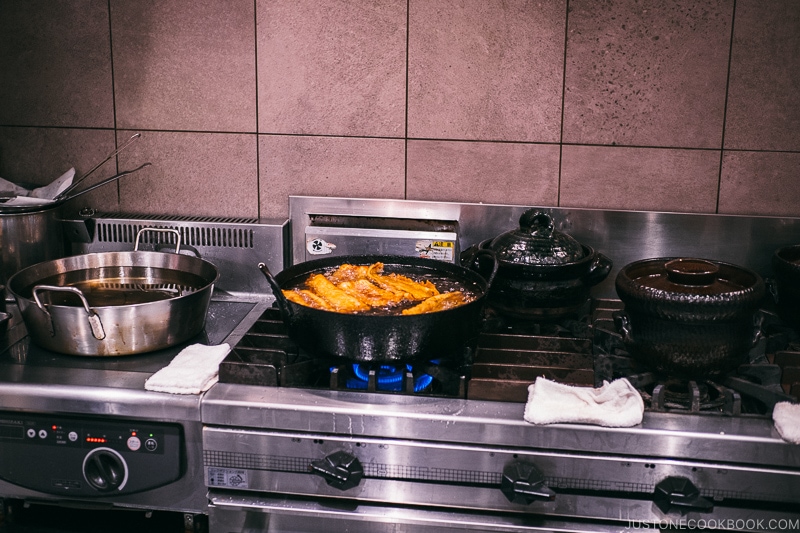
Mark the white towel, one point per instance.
(786, 416)
(615, 404)
(192, 371)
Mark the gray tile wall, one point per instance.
(658, 105)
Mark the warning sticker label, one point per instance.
(227, 477)
(441, 250)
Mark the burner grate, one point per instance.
(266, 356)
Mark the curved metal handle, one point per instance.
(159, 230)
(95, 323)
(283, 303)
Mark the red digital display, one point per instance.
(96, 440)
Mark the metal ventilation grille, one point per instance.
(175, 218)
(198, 236)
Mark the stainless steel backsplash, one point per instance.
(623, 236)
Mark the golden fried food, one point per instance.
(349, 272)
(362, 288)
(369, 293)
(336, 297)
(439, 302)
(306, 297)
(402, 285)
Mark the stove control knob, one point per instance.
(523, 483)
(340, 470)
(678, 493)
(105, 470)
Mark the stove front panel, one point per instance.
(486, 478)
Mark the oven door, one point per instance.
(231, 512)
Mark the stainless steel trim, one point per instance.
(384, 233)
(753, 440)
(231, 511)
(268, 514)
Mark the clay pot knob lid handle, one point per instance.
(533, 221)
(691, 271)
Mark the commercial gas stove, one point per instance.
(82, 431)
(294, 442)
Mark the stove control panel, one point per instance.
(87, 456)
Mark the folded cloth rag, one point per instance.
(192, 371)
(615, 404)
(786, 416)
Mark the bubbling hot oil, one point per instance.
(443, 284)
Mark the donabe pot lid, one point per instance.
(689, 275)
(536, 242)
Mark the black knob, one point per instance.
(340, 470)
(105, 470)
(523, 483)
(679, 493)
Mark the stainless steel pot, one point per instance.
(27, 237)
(32, 234)
(115, 303)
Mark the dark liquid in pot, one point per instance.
(102, 290)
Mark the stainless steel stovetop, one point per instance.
(357, 461)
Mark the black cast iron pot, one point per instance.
(543, 274)
(368, 338)
(786, 288)
(689, 317)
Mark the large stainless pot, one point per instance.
(115, 303)
(688, 316)
(31, 234)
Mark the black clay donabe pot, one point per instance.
(786, 289)
(689, 317)
(543, 274)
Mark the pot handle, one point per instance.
(601, 266)
(159, 230)
(772, 289)
(474, 264)
(623, 323)
(94, 319)
(283, 303)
